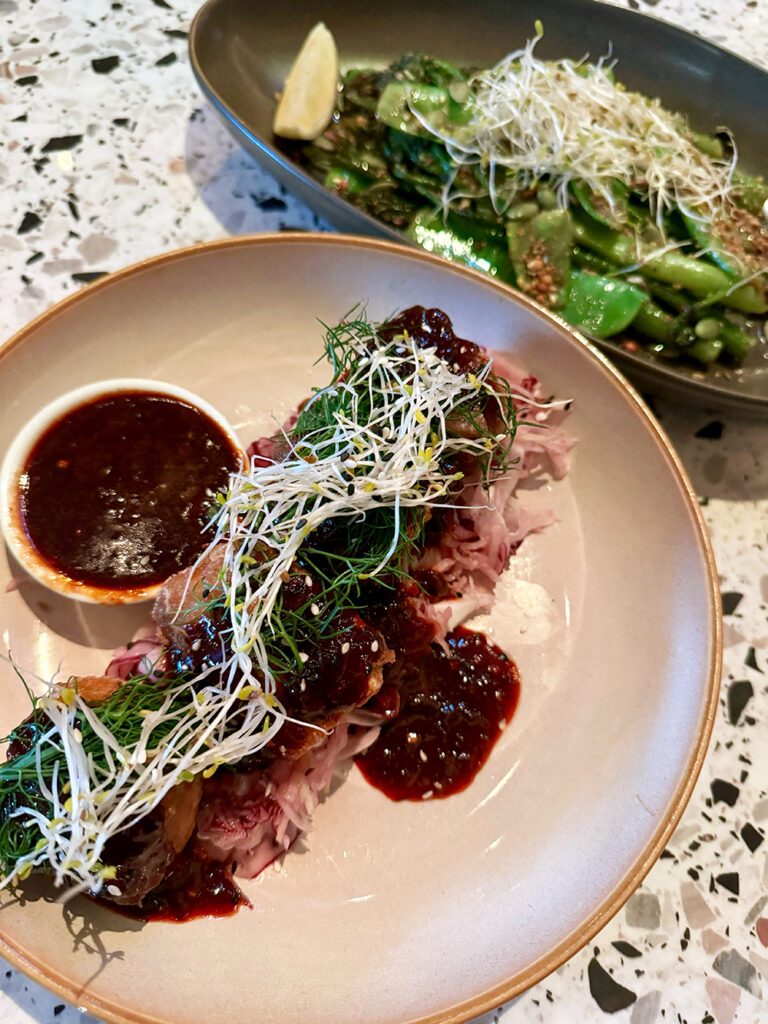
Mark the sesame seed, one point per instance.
(113, 890)
(345, 647)
(423, 756)
(427, 795)
(303, 657)
(196, 645)
(308, 580)
(315, 609)
(303, 685)
(77, 736)
(375, 646)
(412, 737)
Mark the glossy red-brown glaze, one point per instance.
(195, 886)
(453, 707)
(431, 328)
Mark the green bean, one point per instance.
(586, 260)
(736, 342)
(652, 322)
(608, 243)
(705, 351)
(701, 279)
(346, 182)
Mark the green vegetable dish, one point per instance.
(591, 199)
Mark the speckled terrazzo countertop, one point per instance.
(108, 155)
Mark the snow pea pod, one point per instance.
(705, 239)
(540, 250)
(399, 101)
(597, 207)
(752, 192)
(464, 240)
(601, 305)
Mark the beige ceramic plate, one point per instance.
(390, 912)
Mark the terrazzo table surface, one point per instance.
(108, 154)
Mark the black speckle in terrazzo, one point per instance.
(21, 117)
(59, 1008)
(169, 58)
(29, 222)
(712, 431)
(729, 880)
(740, 692)
(103, 65)
(162, 3)
(120, 122)
(731, 600)
(73, 208)
(626, 948)
(724, 791)
(26, 80)
(86, 276)
(751, 836)
(269, 203)
(34, 258)
(633, 5)
(175, 33)
(59, 142)
(609, 995)
(750, 661)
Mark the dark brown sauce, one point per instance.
(116, 493)
(432, 328)
(195, 886)
(453, 707)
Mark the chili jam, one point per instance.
(116, 493)
(194, 887)
(453, 706)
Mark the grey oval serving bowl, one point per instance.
(241, 52)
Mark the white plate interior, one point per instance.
(397, 912)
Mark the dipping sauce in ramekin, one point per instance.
(107, 491)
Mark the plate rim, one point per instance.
(487, 1000)
(683, 386)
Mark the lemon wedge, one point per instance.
(309, 96)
